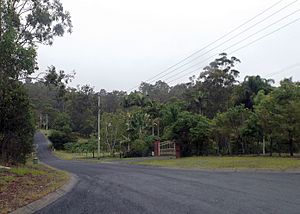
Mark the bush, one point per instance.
(16, 123)
(139, 149)
(59, 139)
(69, 147)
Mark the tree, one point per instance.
(216, 82)
(287, 97)
(201, 135)
(23, 24)
(231, 124)
(82, 108)
(192, 132)
(113, 130)
(16, 124)
(62, 123)
(158, 92)
(264, 108)
(35, 21)
(245, 93)
(138, 124)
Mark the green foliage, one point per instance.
(62, 123)
(82, 108)
(216, 83)
(16, 124)
(59, 139)
(214, 114)
(69, 147)
(139, 149)
(35, 21)
(245, 92)
(192, 131)
(230, 124)
(22, 25)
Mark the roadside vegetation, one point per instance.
(24, 184)
(65, 155)
(252, 162)
(213, 114)
(24, 25)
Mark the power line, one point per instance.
(235, 44)
(278, 29)
(220, 38)
(260, 38)
(231, 38)
(284, 69)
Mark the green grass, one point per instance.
(64, 155)
(271, 163)
(6, 180)
(105, 157)
(20, 171)
(46, 132)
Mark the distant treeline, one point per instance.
(213, 114)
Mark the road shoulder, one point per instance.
(48, 199)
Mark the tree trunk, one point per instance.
(291, 144)
(264, 145)
(271, 146)
(158, 129)
(243, 146)
(229, 148)
(152, 128)
(279, 149)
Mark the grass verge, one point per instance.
(87, 157)
(269, 163)
(22, 185)
(46, 132)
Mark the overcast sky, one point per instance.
(116, 44)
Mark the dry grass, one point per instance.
(23, 185)
(81, 156)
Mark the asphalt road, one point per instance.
(120, 188)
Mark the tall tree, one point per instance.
(217, 82)
(23, 24)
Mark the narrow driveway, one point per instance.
(114, 188)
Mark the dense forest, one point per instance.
(213, 114)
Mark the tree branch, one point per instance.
(22, 7)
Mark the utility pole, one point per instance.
(99, 126)
(47, 121)
(41, 121)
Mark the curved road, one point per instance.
(121, 188)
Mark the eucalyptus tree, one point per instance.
(113, 130)
(23, 25)
(217, 82)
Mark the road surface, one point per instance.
(121, 188)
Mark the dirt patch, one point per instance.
(23, 185)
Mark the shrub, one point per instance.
(69, 147)
(139, 149)
(59, 139)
